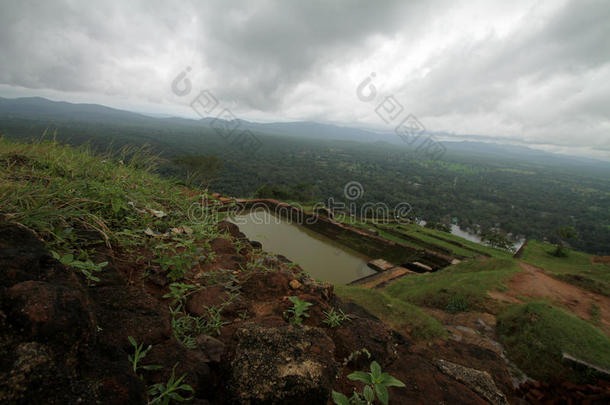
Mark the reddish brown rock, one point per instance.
(265, 285)
(223, 246)
(51, 312)
(197, 302)
(231, 229)
(126, 311)
(122, 390)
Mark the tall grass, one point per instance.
(51, 187)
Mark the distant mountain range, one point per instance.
(41, 109)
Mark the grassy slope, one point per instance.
(535, 335)
(400, 315)
(576, 268)
(464, 283)
(53, 188)
(60, 191)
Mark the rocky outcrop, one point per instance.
(480, 381)
(64, 342)
(49, 333)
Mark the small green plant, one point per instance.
(595, 313)
(335, 318)
(139, 354)
(86, 266)
(179, 291)
(298, 310)
(186, 327)
(214, 321)
(238, 244)
(178, 258)
(457, 304)
(376, 387)
(165, 393)
(232, 294)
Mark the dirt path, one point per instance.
(533, 282)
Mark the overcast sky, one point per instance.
(537, 71)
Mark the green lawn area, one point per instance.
(463, 286)
(536, 334)
(576, 268)
(433, 233)
(425, 235)
(412, 231)
(399, 315)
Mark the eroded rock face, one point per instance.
(62, 342)
(124, 311)
(285, 365)
(479, 381)
(49, 352)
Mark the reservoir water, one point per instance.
(456, 230)
(320, 256)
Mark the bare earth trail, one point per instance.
(533, 282)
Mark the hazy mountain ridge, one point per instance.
(39, 108)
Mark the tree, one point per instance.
(496, 240)
(439, 226)
(564, 233)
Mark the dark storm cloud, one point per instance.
(262, 51)
(255, 53)
(526, 69)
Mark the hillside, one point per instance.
(109, 271)
(103, 271)
(481, 186)
(288, 202)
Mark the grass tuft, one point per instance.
(51, 187)
(400, 315)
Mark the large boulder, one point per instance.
(48, 312)
(282, 365)
(49, 347)
(24, 257)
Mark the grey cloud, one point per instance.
(550, 80)
(546, 79)
(268, 51)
